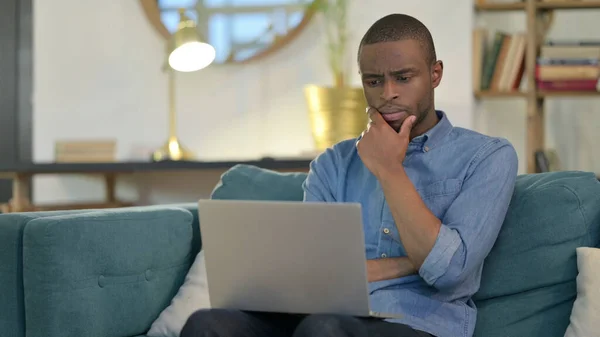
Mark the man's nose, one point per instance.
(390, 91)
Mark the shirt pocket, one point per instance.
(439, 195)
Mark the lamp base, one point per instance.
(172, 150)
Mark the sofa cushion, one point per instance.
(529, 279)
(247, 182)
(586, 309)
(192, 296)
(192, 207)
(104, 273)
(12, 308)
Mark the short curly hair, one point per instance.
(397, 27)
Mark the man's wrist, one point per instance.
(391, 174)
(390, 268)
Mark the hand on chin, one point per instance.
(381, 147)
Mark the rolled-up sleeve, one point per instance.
(471, 224)
(320, 183)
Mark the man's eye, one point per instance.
(373, 82)
(403, 78)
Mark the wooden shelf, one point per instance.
(21, 174)
(300, 164)
(499, 94)
(517, 6)
(568, 93)
(541, 94)
(568, 5)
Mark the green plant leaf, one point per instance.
(335, 14)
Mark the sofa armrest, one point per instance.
(103, 273)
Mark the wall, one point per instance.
(97, 74)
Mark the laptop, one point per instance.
(286, 257)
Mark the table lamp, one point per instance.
(186, 53)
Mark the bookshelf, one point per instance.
(569, 5)
(484, 6)
(538, 15)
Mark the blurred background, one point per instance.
(87, 91)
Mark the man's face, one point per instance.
(398, 81)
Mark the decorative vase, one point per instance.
(336, 114)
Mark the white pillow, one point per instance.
(585, 317)
(192, 296)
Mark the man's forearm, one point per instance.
(389, 268)
(417, 226)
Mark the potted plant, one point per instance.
(336, 112)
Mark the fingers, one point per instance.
(407, 126)
(375, 116)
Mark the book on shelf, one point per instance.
(504, 2)
(498, 60)
(569, 65)
(568, 1)
(85, 151)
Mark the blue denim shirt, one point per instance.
(466, 179)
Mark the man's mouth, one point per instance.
(394, 116)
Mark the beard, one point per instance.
(421, 114)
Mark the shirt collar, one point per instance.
(434, 136)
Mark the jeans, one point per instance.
(231, 323)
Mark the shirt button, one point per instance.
(426, 149)
(386, 231)
(384, 255)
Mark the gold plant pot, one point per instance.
(336, 114)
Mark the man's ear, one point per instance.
(437, 70)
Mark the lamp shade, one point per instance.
(188, 52)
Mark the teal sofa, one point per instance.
(98, 273)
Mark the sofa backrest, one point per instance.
(92, 272)
(529, 279)
(12, 307)
(248, 182)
